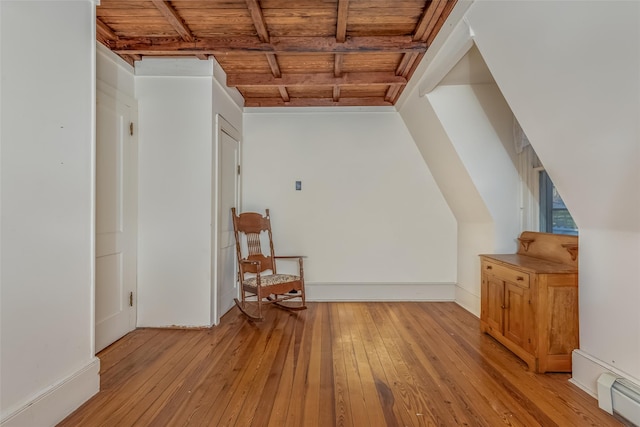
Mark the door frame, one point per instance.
(221, 126)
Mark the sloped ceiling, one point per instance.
(471, 69)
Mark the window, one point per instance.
(554, 215)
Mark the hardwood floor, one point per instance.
(345, 364)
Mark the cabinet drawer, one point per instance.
(505, 273)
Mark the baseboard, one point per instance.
(55, 403)
(468, 301)
(587, 369)
(380, 291)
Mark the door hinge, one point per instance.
(238, 169)
(131, 128)
(130, 299)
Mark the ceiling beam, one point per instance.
(407, 61)
(275, 71)
(336, 93)
(338, 63)
(258, 20)
(341, 27)
(174, 19)
(440, 21)
(341, 37)
(263, 34)
(104, 33)
(429, 19)
(428, 24)
(288, 45)
(316, 102)
(317, 79)
(273, 64)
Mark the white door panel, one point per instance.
(116, 155)
(228, 197)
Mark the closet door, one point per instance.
(116, 218)
(228, 167)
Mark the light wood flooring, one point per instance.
(335, 364)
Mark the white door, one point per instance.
(228, 197)
(116, 218)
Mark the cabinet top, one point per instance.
(542, 253)
(531, 264)
(557, 248)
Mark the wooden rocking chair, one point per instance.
(256, 287)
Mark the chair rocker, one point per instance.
(259, 281)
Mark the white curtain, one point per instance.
(529, 168)
(520, 139)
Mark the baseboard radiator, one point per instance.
(619, 396)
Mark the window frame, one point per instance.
(545, 198)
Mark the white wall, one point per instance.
(587, 120)
(47, 363)
(114, 72)
(226, 101)
(179, 99)
(479, 124)
(175, 158)
(369, 210)
(464, 133)
(474, 224)
(575, 91)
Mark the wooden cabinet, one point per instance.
(529, 300)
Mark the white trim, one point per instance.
(456, 16)
(118, 95)
(92, 231)
(587, 369)
(173, 67)
(110, 56)
(468, 300)
(380, 291)
(220, 79)
(58, 401)
(455, 47)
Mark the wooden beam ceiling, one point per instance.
(174, 19)
(341, 37)
(289, 45)
(285, 52)
(317, 79)
(263, 34)
(177, 23)
(425, 26)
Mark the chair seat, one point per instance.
(271, 279)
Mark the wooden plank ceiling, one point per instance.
(285, 52)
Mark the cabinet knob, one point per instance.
(520, 278)
(489, 267)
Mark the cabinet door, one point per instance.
(515, 313)
(495, 303)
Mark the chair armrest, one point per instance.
(248, 262)
(293, 257)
